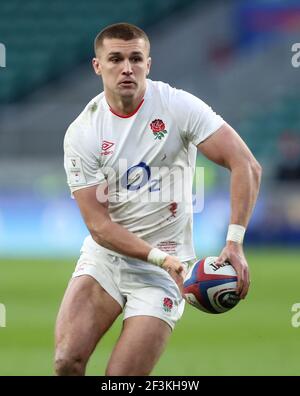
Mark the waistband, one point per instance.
(89, 240)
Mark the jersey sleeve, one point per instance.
(196, 120)
(81, 164)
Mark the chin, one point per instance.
(128, 92)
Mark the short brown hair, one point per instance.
(123, 31)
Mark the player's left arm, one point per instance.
(226, 148)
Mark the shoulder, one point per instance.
(161, 89)
(81, 135)
(88, 118)
(172, 96)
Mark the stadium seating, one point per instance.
(44, 39)
(263, 130)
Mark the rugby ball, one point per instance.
(210, 287)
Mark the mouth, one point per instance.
(127, 83)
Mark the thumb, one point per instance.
(221, 258)
(180, 269)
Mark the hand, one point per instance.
(233, 252)
(176, 270)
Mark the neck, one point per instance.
(124, 105)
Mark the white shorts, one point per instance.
(139, 287)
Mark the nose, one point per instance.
(127, 70)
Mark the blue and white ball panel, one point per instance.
(211, 287)
(216, 293)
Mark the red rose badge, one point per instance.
(158, 128)
(167, 304)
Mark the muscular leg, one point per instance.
(141, 343)
(86, 313)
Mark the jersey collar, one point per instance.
(130, 114)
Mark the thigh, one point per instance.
(141, 343)
(152, 292)
(86, 313)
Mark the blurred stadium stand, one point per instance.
(39, 33)
(235, 55)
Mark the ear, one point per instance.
(149, 61)
(97, 66)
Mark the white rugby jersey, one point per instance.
(147, 158)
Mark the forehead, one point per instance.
(124, 46)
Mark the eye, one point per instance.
(114, 60)
(136, 59)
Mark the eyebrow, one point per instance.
(115, 53)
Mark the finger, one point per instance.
(240, 277)
(221, 258)
(179, 281)
(180, 287)
(240, 283)
(246, 283)
(168, 269)
(179, 269)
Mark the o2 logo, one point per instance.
(137, 176)
(296, 316)
(163, 183)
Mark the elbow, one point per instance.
(98, 232)
(256, 170)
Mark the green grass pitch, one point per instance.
(255, 338)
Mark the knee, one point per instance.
(67, 365)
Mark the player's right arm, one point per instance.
(105, 232)
(116, 237)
